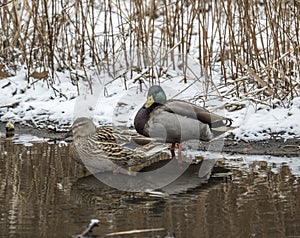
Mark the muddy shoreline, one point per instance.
(275, 146)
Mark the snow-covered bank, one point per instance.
(41, 106)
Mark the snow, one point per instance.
(261, 124)
(113, 105)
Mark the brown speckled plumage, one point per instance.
(107, 148)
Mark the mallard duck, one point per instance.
(174, 121)
(10, 129)
(107, 148)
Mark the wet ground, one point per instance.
(276, 145)
(43, 193)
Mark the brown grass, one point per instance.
(255, 44)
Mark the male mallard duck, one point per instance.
(175, 121)
(110, 149)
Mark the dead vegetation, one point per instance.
(254, 45)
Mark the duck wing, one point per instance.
(120, 136)
(193, 111)
(108, 155)
(169, 126)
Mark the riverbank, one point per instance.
(275, 146)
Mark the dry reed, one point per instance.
(254, 44)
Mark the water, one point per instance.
(45, 194)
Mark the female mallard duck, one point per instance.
(110, 149)
(10, 129)
(175, 121)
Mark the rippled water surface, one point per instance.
(45, 194)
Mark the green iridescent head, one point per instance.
(155, 94)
